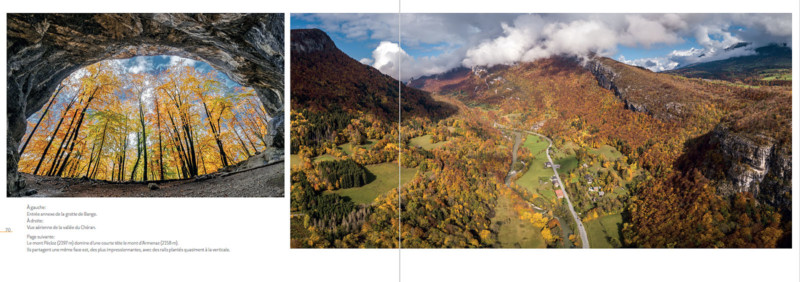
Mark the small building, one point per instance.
(559, 194)
(536, 126)
(555, 182)
(588, 178)
(554, 178)
(601, 193)
(548, 164)
(594, 189)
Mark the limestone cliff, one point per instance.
(744, 147)
(608, 78)
(758, 164)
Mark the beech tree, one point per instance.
(172, 123)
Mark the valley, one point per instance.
(615, 153)
(560, 152)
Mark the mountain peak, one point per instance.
(737, 46)
(311, 40)
(324, 79)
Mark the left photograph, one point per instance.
(145, 105)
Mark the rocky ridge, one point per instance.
(757, 164)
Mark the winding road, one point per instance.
(581, 229)
(511, 171)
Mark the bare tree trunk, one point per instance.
(41, 118)
(75, 135)
(180, 148)
(160, 147)
(100, 151)
(138, 155)
(241, 141)
(144, 136)
(203, 161)
(91, 160)
(121, 173)
(215, 132)
(74, 166)
(256, 131)
(235, 119)
(49, 143)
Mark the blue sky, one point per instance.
(654, 51)
(434, 43)
(354, 47)
(362, 47)
(155, 64)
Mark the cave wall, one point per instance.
(43, 49)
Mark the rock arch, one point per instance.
(43, 49)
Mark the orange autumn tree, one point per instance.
(173, 123)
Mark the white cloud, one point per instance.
(389, 55)
(366, 61)
(175, 60)
(647, 32)
(77, 75)
(653, 64)
(491, 39)
(140, 64)
(579, 37)
(516, 42)
(532, 37)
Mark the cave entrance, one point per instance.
(147, 118)
(45, 49)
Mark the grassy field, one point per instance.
(513, 232)
(385, 180)
(325, 157)
(600, 228)
(536, 170)
(567, 163)
(776, 74)
(563, 148)
(424, 141)
(609, 152)
(565, 157)
(294, 160)
(537, 145)
(347, 148)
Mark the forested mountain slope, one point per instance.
(717, 154)
(325, 78)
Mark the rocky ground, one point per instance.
(260, 176)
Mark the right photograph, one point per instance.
(541, 130)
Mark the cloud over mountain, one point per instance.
(434, 43)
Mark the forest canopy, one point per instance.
(144, 118)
